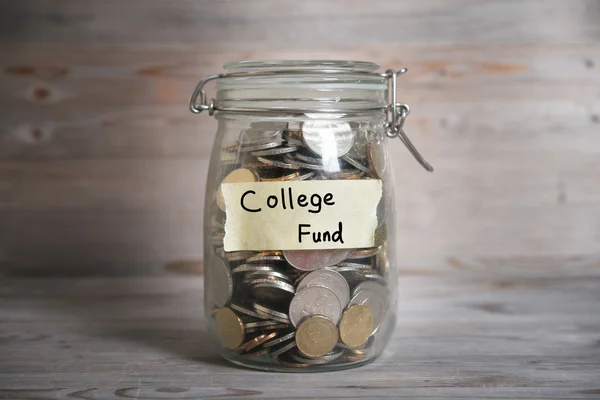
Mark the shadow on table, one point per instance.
(161, 315)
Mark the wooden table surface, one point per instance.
(461, 334)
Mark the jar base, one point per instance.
(265, 363)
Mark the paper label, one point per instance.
(301, 215)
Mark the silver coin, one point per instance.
(266, 312)
(275, 152)
(280, 339)
(277, 163)
(308, 260)
(328, 138)
(261, 324)
(252, 276)
(327, 358)
(356, 164)
(315, 300)
(351, 265)
(220, 283)
(261, 146)
(272, 290)
(373, 295)
(329, 279)
(375, 277)
(252, 268)
(278, 350)
(308, 159)
(338, 256)
(246, 311)
(359, 147)
(301, 164)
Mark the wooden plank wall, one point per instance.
(102, 167)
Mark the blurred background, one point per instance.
(103, 168)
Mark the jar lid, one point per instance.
(306, 87)
(311, 85)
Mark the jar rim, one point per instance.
(282, 65)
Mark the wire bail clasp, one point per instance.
(397, 113)
(198, 91)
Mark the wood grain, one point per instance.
(461, 334)
(102, 167)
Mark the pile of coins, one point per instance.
(300, 308)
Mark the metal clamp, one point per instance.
(396, 112)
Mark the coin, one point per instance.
(301, 164)
(255, 353)
(246, 311)
(308, 159)
(305, 176)
(230, 328)
(286, 360)
(338, 256)
(235, 176)
(316, 336)
(252, 268)
(289, 177)
(327, 358)
(315, 300)
(373, 295)
(359, 147)
(308, 260)
(260, 324)
(272, 290)
(325, 137)
(344, 174)
(279, 349)
(260, 146)
(260, 339)
(356, 325)
(277, 163)
(266, 256)
(374, 276)
(279, 325)
(377, 159)
(280, 339)
(275, 152)
(329, 279)
(220, 285)
(364, 253)
(266, 312)
(251, 276)
(356, 164)
(235, 255)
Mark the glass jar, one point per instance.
(299, 228)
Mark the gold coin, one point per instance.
(235, 176)
(230, 328)
(356, 325)
(316, 336)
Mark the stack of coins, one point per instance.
(300, 308)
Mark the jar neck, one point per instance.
(303, 86)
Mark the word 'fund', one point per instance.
(317, 237)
